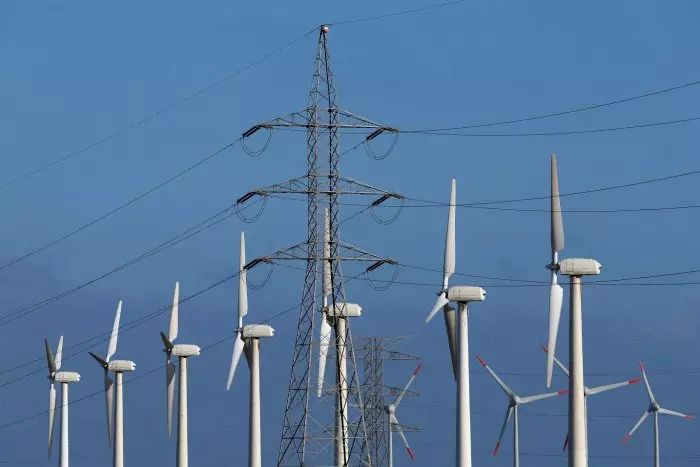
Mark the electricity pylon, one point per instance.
(377, 350)
(310, 432)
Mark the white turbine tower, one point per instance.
(118, 367)
(578, 438)
(589, 391)
(248, 339)
(514, 401)
(654, 409)
(462, 295)
(334, 317)
(65, 378)
(394, 425)
(183, 352)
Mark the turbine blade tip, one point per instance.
(544, 347)
(641, 365)
(495, 451)
(410, 453)
(562, 392)
(626, 439)
(635, 381)
(690, 417)
(417, 370)
(483, 363)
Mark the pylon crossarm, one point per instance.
(394, 391)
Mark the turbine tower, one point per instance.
(248, 340)
(655, 409)
(65, 378)
(307, 432)
(462, 295)
(514, 401)
(589, 391)
(183, 352)
(118, 367)
(576, 269)
(393, 421)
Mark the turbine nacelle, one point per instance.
(256, 331)
(121, 365)
(390, 409)
(66, 377)
(185, 350)
(579, 267)
(466, 293)
(347, 310)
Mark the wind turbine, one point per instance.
(654, 409)
(118, 367)
(394, 425)
(65, 378)
(334, 317)
(183, 352)
(589, 391)
(514, 401)
(459, 333)
(248, 339)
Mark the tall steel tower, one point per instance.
(377, 350)
(322, 430)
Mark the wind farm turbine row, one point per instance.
(333, 332)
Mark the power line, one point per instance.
(570, 111)
(397, 13)
(120, 207)
(155, 115)
(554, 133)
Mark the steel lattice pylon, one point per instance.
(377, 394)
(322, 431)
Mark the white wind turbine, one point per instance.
(183, 352)
(118, 367)
(462, 295)
(514, 401)
(248, 340)
(65, 378)
(394, 425)
(589, 391)
(654, 409)
(576, 269)
(334, 317)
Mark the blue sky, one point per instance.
(76, 72)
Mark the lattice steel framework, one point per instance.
(376, 350)
(310, 432)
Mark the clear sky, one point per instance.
(76, 72)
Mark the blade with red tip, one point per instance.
(509, 413)
(500, 382)
(675, 414)
(608, 387)
(408, 385)
(395, 423)
(652, 399)
(641, 420)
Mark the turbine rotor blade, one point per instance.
(59, 353)
(608, 387)
(539, 397)
(324, 343)
(49, 358)
(439, 303)
(556, 299)
(237, 351)
(112, 348)
(557, 362)
(170, 390)
(174, 314)
(500, 382)
(99, 359)
(641, 420)
(675, 414)
(52, 413)
(109, 404)
(509, 413)
(408, 385)
(450, 253)
(242, 285)
(166, 342)
(557, 241)
(652, 399)
(394, 421)
(451, 328)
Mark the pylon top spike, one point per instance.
(324, 29)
